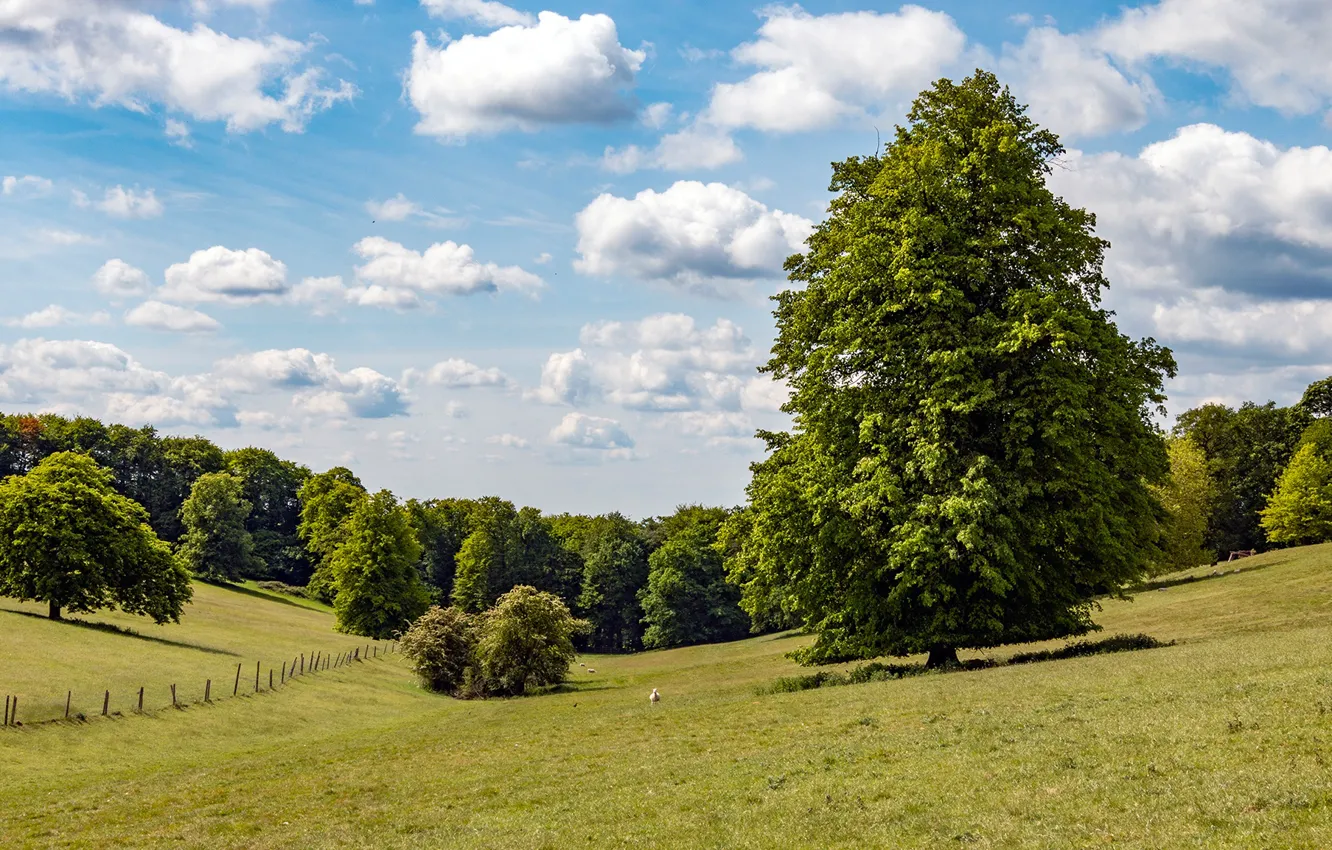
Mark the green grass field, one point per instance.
(1219, 741)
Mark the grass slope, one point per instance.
(1220, 741)
(43, 661)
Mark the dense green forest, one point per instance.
(249, 514)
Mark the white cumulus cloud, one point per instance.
(445, 268)
(119, 279)
(581, 431)
(558, 71)
(224, 276)
(814, 71)
(457, 373)
(112, 53)
(158, 316)
(702, 237)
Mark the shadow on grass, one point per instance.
(124, 632)
(877, 671)
(1220, 571)
(264, 594)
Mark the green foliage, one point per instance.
(526, 642)
(216, 546)
(972, 440)
(1300, 509)
(614, 568)
(441, 528)
(687, 599)
(1246, 449)
(379, 592)
(271, 486)
(1187, 497)
(71, 541)
(1317, 398)
(440, 646)
(327, 501)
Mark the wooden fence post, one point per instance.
(302, 663)
(283, 679)
(6, 709)
(173, 696)
(68, 696)
(270, 678)
(13, 714)
(208, 690)
(236, 688)
(256, 676)
(141, 700)
(106, 702)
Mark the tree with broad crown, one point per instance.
(379, 592)
(972, 441)
(1300, 508)
(71, 541)
(216, 546)
(686, 599)
(526, 641)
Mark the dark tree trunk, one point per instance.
(53, 611)
(941, 657)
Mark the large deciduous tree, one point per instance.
(379, 592)
(972, 441)
(69, 540)
(215, 545)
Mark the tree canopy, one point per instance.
(216, 545)
(379, 592)
(1187, 496)
(72, 541)
(1300, 509)
(972, 439)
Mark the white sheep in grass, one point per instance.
(590, 670)
(655, 697)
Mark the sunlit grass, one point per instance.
(1218, 741)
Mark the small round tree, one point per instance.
(440, 645)
(69, 540)
(526, 641)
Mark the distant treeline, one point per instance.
(641, 584)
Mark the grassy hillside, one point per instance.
(1220, 741)
(43, 661)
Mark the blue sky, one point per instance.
(471, 248)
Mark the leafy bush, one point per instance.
(440, 646)
(526, 641)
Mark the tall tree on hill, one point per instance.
(379, 590)
(215, 545)
(972, 437)
(71, 541)
(327, 502)
(272, 486)
(490, 560)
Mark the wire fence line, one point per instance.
(278, 677)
